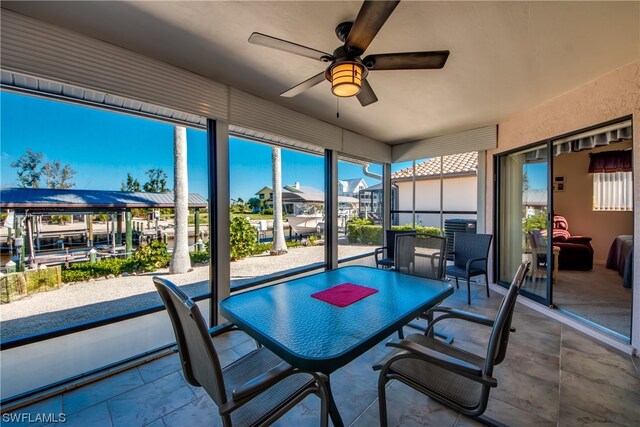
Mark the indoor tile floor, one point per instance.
(553, 375)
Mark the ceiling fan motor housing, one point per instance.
(342, 30)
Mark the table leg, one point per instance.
(333, 409)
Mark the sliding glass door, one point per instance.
(523, 212)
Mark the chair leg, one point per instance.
(457, 284)
(447, 339)
(324, 405)
(489, 422)
(487, 282)
(400, 334)
(382, 399)
(469, 290)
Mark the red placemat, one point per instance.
(344, 294)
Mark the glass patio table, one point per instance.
(316, 336)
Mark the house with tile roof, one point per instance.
(459, 189)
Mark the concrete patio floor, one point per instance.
(553, 375)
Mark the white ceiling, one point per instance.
(505, 57)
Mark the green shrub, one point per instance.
(152, 256)
(243, 239)
(419, 229)
(268, 211)
(79, 272)
(294, 244)
(69, 276)
(199, 257)
(359, 231)
(261, 248)
(535, 222)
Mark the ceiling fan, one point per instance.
(347, 71)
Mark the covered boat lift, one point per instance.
(32, 202)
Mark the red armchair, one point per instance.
(576, 252)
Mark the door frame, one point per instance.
(505, 282)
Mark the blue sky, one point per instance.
(103, 146)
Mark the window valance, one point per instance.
(610, 162)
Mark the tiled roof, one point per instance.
(456, 164)
(534, 197)
(46, 198)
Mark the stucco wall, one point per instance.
(611, 96)
(576, 203)
(459, 194)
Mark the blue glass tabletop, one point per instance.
(317, 336)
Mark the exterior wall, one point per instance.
(576, 203)
(611, 96)
(459, 194)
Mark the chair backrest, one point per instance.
(468, 246)
(391, 241)
(200, 362)
(421, 254)
(499, 339)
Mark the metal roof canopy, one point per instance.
(50, 200)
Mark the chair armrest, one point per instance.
(222, 329)
(472, 260)
(263, 381)
(447, 362)
(454, 313)
(378, 251)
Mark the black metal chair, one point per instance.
(256, 389)
(421, 254)
(424, 255)
(385, 255)
(470, 254)
(454, 377)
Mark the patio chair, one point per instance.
(256, 389)
(384, 255)
(450, 375)
(538, 252)
(470, 254)
(421, 254)
(424, 255)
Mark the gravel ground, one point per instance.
(87, 301)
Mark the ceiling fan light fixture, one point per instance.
(346, 79)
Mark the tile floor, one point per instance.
(553, 375)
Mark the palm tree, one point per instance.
(180, 261)
(279, 245)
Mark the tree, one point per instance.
(57, 176)
(131, 185)
(279, 245)
(254, 203)
(157, 181)
(180, 260)
(28, 169)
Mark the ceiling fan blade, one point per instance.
(297, 49)
(372, 16)
(367, 95)
(407, 61)
(307, 84)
